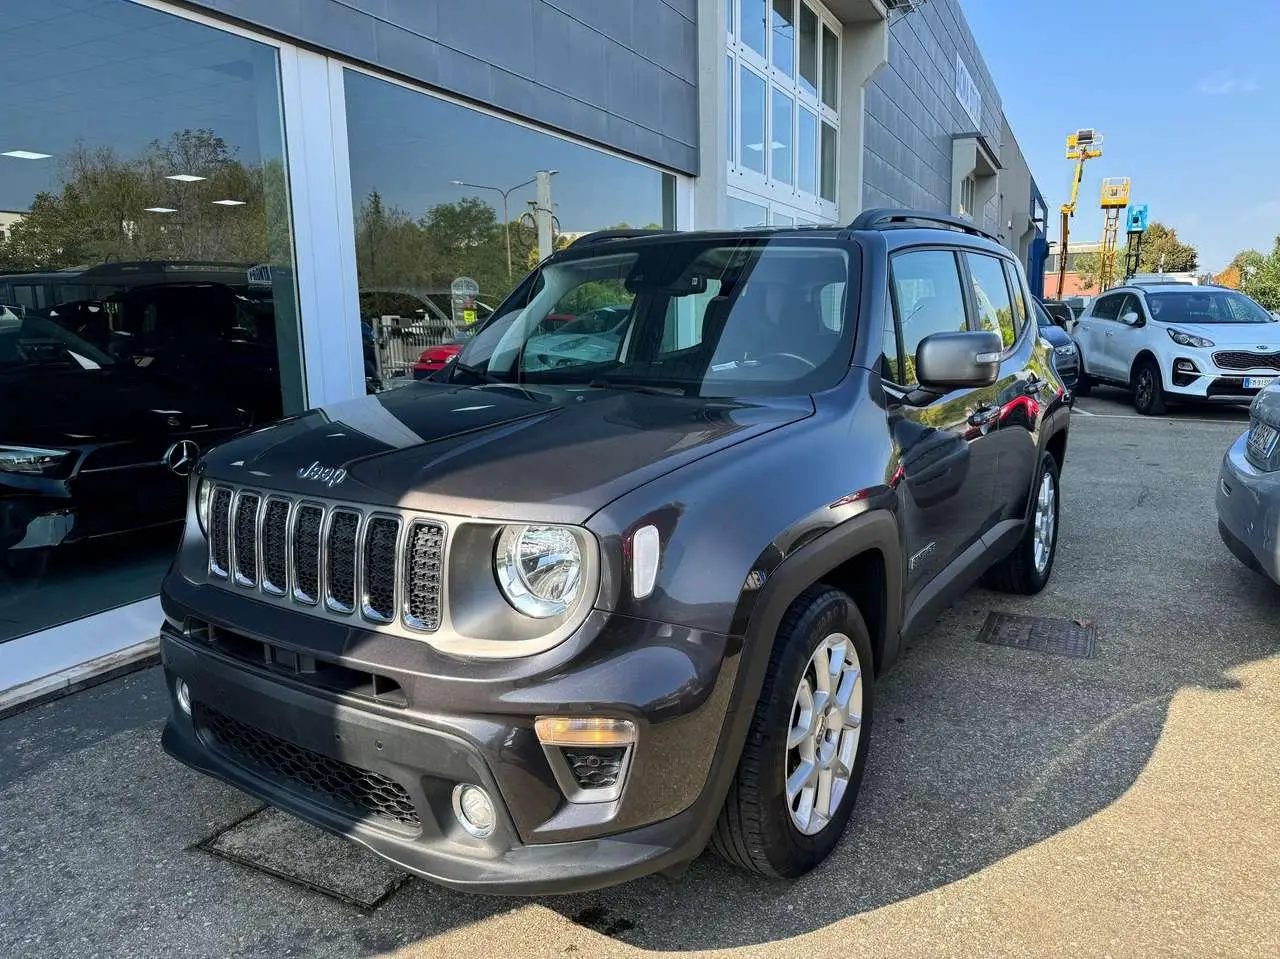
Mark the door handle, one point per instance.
(1034, 385)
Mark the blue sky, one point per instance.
(1187, 93)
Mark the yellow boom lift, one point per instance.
(1115, 198)
(1082, 145)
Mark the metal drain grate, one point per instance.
(1061, 637)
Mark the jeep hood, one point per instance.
(543, 454)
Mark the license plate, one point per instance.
(1258, 382)
(1262, 440)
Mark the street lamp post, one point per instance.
(506, 216)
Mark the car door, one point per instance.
(944, 462)
(1096, 334)
(1126, 336)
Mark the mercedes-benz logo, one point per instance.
(181, 457)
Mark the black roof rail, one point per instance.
(599, 236)
(889, 216)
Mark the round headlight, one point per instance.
(539, 569)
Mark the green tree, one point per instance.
(1163, 252)
(1088, 269)
(1260, 275)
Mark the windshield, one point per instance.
(34, 341)
(1206, 306)
(694, 316)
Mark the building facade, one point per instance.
(223, 212)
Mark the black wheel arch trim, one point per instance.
(875, 530)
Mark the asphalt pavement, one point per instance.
(1015, 802)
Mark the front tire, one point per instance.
(1148, 389)
(1026, 570)
(803, 759)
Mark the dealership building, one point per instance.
(227, 211)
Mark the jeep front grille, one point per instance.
(335, 560)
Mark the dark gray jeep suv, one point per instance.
(598, 598)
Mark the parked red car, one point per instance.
(434, 358)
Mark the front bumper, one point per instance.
(380, 768)
(1248, 504)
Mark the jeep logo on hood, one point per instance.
(331, 476)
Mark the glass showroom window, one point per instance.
(147, 299)
(787, 99)
(447, 216)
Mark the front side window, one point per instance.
(1108, 307)
(1206, 306)
(1019, 295)
(688, 316)
(929, 299)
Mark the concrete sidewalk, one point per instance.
(1016, 803)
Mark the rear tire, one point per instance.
(1027, 568)
(797, 749)
(1148, 389)
(1084, 385)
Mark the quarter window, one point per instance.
(991, 296)
(930, 300)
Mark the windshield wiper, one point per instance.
(600, 383)
(475, 371)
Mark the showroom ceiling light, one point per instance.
(26, 155)
(229, 202)
(185, 177)
(160, 209)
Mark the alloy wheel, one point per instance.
(1145, 388)
(1046, 521)
(826, 726)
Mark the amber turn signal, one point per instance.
(584, 731)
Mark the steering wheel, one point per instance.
(789, 356)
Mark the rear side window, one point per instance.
(930, 299)
(1108, 307)
(991, 296)
(1018, 289)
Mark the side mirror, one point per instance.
(1131, 319)
(947, 361)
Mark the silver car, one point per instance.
(1248, 493)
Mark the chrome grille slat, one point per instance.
(244, 539)
(379, 568)
(424, 575)
(336, 560)
(275, 546)
(341, 549)
(220, 532)
(308, 521)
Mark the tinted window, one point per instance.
(930, 299)
(1108, 307)
(1019, 295)
(991, 296)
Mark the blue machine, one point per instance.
(1138, 219)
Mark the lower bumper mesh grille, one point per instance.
(348, 787)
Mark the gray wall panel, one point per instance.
(912, 110)
(622, 73)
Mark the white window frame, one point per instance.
(760, 188)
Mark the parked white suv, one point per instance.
(1168, 342)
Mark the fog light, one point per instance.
(1185, 366)
(474, 810)
(183, 695)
